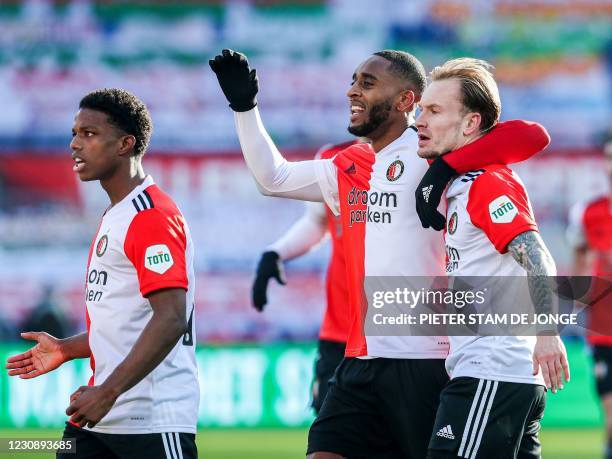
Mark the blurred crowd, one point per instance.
(553, 61)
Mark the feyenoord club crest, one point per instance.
(395, 170)
(101, 245)
(452, 223)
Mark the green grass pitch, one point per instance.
(291, 443)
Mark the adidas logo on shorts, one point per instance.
(446, 432)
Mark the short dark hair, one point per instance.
(406, 67)
(124, 110)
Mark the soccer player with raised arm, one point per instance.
(142, 399)
(590, 234)
(317, 222)
(383, 397)
(495, 399)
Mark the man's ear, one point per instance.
(471, 123)
(127, 145)
(406, 102)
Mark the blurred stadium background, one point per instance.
(553, 61)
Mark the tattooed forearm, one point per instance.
(529, 250)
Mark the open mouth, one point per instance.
(356, 111)
(79, 165)
(423, 139)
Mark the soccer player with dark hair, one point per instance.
(383, 397)
(142, 399)
(495, 399)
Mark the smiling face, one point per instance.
(373, 94)
(444, 121)
(97, 145)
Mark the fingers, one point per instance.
(280, 278)
(31, 374)
(260, 297)
(565, 365)
(559, 374)
(536, 366)
(438, 222)
(546, 374)
(18, 358)
(31, 335)
(22, 364)
(71, 410)
(552, 374)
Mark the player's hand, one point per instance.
(429, 193)
(550, 356)
(46, 356)
(270, 266)
(238, 82)
(89, 404)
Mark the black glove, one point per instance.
(429, 193)
(270, 266)
(238, 82)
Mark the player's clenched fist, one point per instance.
(238, 82)
(46, 356)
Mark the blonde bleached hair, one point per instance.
(478, 87)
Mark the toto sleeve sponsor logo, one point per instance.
(502, 210)
(158, 258)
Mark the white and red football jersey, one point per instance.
(486, 210)
(382, 235)
(143, 245)
(591, 226)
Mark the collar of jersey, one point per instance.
(148, 181)
(398, 143)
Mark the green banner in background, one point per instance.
(253, 386)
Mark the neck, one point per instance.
(123, 181)
(391, 134)
(468, 140)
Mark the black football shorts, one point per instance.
(484, 419)
(94, 445)
(379, 409)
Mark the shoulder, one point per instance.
(155, 212)
(330, 150)
(493, 180)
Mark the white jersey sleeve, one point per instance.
(305, 234)
(313, 180)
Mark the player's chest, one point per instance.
(109, 266)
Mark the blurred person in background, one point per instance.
(142, 399)
(384, 395)
(590, 234)
(46, 316)
(317, 222)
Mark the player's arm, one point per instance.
(303, 236)
(48, 354)
(509, 142)
(274, 175)
(529, 250)
(167, 325)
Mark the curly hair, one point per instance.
(125, 111)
